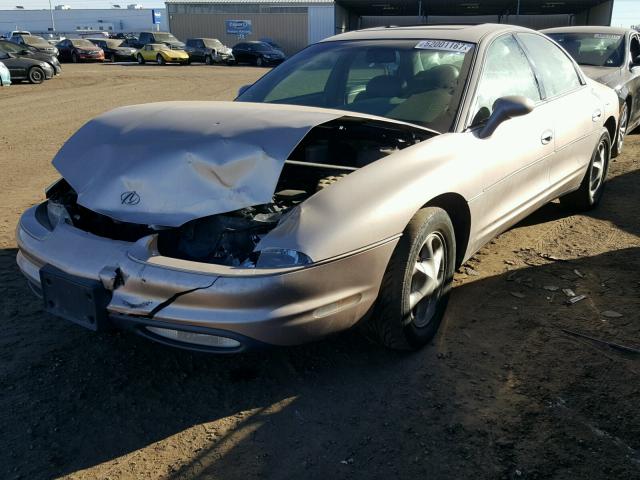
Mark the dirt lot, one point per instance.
(503, 392)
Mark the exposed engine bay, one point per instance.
(328, 153)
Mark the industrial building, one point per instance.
(70, 20)
(295, 23)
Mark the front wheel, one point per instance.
(590, 192)
(622, 130)
(415, 288)
(140, 59)
(208, 60)
(259, 62)
(75, 58)
(160, 59)
(36, 75)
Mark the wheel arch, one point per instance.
(458, 210)
(611, 126)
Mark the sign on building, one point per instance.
(241, 28)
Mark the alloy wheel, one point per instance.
(598, 168)
(622, 127)
(427, 280)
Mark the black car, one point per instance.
(257, 53)
(208, 50)
(611, 56)
(26, 69)
(25, 51)
(159, 37)
(33, 41)
(114, 50)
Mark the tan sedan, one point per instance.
(343, 187)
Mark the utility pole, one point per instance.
(53, 23)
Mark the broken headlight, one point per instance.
(281, 258)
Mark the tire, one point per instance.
(112, 57)
(75, 58)
(36, 75)
(622, 130)
(140, 59)
(591, 189)
(160, 59)
(402, 318)
(259, 62)
(208, 60)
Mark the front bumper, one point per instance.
(49, 72)
(91, 58)
(253, 306)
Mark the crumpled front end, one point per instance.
(148, 291)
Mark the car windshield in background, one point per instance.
(81, 43)
(165, 37)
(114, 43)
(35, 41)
(261, 47)
(593, 49)
(415, 81)
(213, 44)
(10, 47)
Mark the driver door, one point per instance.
(512, 163)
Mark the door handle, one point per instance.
(546, 137)
(596, 115)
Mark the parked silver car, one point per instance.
(610, 56)
(343, 187)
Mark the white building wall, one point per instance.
(321, 22)
(122, 20)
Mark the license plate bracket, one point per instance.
(79, 300)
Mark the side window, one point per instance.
(200, 44)
(189, 43)
(635, 47)
(145, 37)
(506, 72)
(552, 65)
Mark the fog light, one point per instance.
(195, 338)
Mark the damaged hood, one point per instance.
(168, 163)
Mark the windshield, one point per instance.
(35, 41)
(594, 49)
(165, 37)
(416, 81)
(81, 43)
(10, 47)
(212, 43)
(114, 43)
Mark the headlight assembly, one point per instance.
(281, 258)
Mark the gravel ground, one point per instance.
(505, 391)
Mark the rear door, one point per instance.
(512, 170)
(634, 82)
(577, 116)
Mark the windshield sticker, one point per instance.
(608, 36)
(446, 45)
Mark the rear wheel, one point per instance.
(592, 187)
(36, 75)
(622, 130)
(160, 59)
(140, 59)
(112, 57)
(415, 288)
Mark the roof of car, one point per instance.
(461, 33)
(587, 29)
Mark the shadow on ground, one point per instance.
(503, 392)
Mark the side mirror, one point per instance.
(505, 108)
(243, 89)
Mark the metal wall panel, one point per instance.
(321, 23)
(290, 30)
